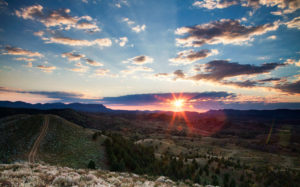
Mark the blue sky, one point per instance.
(95, 49)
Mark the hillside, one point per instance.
(64, 143)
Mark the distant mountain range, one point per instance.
(47, 106)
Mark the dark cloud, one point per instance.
(270, 80)
(178, 74)
(293, 88)
(9, 50)
(190, 56)
(225, 31)
(59, 95)
(142, 99)
(243, 84)
(219, 69)
(139, 60)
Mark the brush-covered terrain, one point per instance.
(225, 148)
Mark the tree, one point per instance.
(232, 183)
(92, 165)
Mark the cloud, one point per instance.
(272, 37)
(80, 68)
(102, 42)
(152, 98)
(179, 74)
(139, 60)
(60, 18)
(219, 69)
(93, 63)
(139, 28)
(162, 75)
(294, 23)
(213, 4)
(20, 52)
(47, 69)
(293, 88)
(292, 62)
(284, 6)
(72, 56)
(224, 31)
(133, 69)
(61, 96)
(120, 3)
(134, 27)
(25, 59)
(123, 41)
(101, 72)
(190, 56)
(76, 57)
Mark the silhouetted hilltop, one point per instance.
(75, 106)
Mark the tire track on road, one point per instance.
(34, 149)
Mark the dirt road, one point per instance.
(34, 149)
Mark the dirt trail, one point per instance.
(34, 149)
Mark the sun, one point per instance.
(178, 103)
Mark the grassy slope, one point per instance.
(18, 134)
(65, 143)
(68, 144)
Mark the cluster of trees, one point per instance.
(124, 155)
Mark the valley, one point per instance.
(218, 147)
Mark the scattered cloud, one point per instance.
(134, 27)
(190, 56)
(102, 42)
(25, 59)
(294, 23)
(139, 60)
(284, 6)
(21, 52)
(93, 62)
(272, 37)
(213, 4)
(179, 74)
(162, 75)
(47, 69)
(292, 62)
(224, 31)
(123, 41)
(121, 3)
(72, 56)
(133, 69)
(101, 72)
(60, 18)
(80, 68)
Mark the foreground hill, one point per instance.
(25, 174)
(64, 143)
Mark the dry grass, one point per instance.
(27, 174)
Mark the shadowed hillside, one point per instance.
(65, 143)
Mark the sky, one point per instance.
(144, 54)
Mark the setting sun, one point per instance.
(178, 103)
